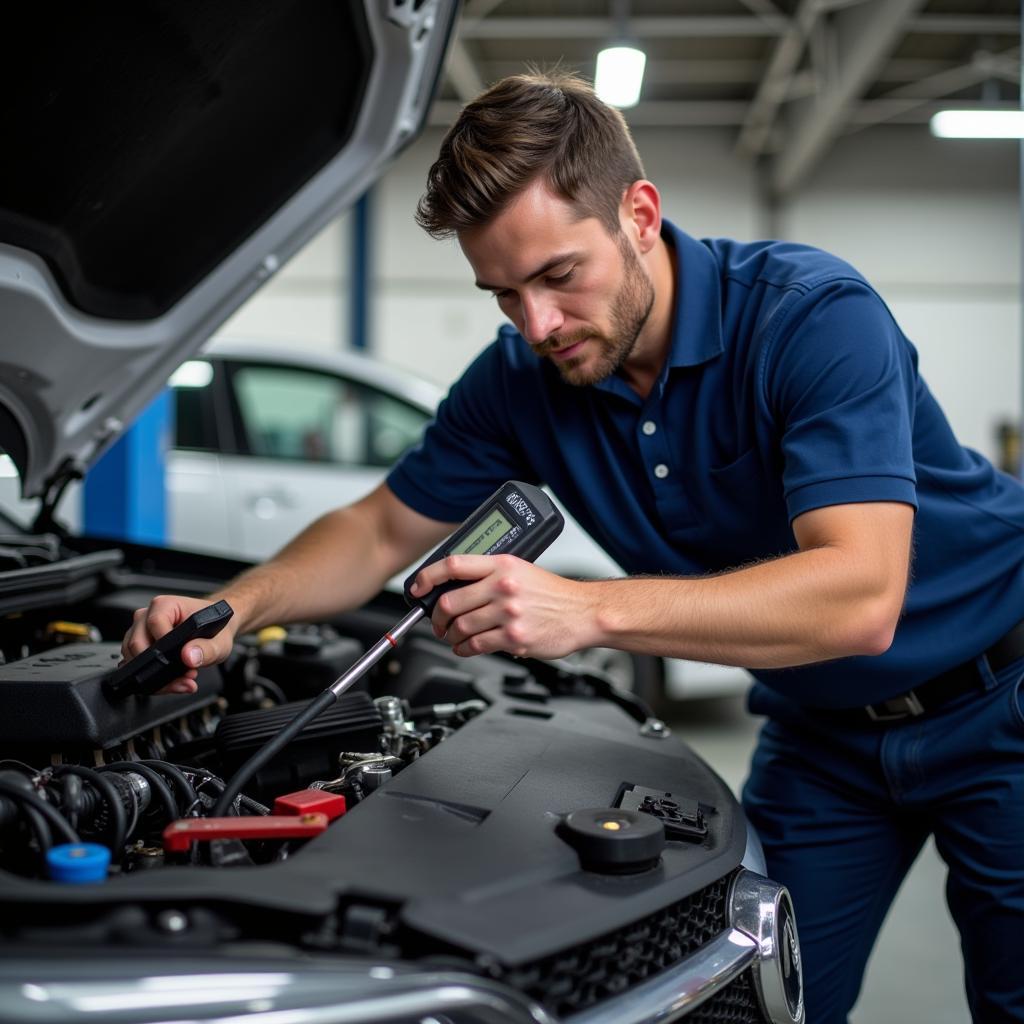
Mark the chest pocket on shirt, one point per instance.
(740, 513)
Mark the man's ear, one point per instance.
(640, 214)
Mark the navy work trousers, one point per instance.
(843, 810)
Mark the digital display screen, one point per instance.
(490, 530)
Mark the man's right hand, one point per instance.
(161, 616)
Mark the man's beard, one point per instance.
(629, 312)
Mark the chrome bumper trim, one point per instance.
(678, 990)
(763, 910)
(158, 993)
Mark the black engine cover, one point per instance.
(55, 700)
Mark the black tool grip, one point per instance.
(156, 666)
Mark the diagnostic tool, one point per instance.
(158, 664)
(517, 519)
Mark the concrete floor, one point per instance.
(915, 973)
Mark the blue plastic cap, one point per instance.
(78, 862)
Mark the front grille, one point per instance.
(575, 979)
(735, 1004)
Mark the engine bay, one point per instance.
(119, 772)
(426, 816)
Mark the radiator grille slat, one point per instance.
(571, 981)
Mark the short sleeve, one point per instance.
(470, 448)
(839, 380)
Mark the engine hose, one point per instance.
(24, 778)
(270, 686)
(18, 774)
(156, 783)
(25, 769)
(220, 785)
(36, 803)
(44, 837)
(177, 777)
(72, 799)
(131, 799)
(117, 825)
(9, 812)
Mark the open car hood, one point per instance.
(163, 160)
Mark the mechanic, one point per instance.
(743, 428)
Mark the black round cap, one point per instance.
(610, 840)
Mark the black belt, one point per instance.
(938, 690)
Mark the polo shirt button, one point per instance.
(661, 471)
(649, 427)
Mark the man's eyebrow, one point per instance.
(564, 257)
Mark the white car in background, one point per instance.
(269, 436)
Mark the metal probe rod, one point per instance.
(375, 653)
(319, 704)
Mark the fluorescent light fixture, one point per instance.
(620, 72)
(978, 124)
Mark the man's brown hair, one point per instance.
(546, 123)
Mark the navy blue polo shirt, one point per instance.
(788, 387)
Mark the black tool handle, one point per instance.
(156, 666)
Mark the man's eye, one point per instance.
(502, 294)
(563, 278)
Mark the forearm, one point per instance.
(337, 563)
(315, 575)
(810, 606)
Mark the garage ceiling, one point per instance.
(788, 77)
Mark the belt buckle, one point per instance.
(906, 705)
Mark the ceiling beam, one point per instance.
(646, 114)
(774, 85)
(965, 24)
(898, 102)
(726, 71)
(730, 71)
(679, 27)
(725, 114)
(874, 112)
(480, 8)
(476, 26)
(865, 36)
(762, 8)
(728, 114)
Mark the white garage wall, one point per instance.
(307, 302)
(932, 223)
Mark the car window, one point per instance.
(290, 413)
(194, 423)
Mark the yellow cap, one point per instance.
(68, 628)
(268, 634)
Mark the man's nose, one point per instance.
(541, 319)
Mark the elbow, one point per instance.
(877, 642)
(873, 629)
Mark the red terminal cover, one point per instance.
(309, 801)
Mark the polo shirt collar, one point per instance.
(696, 315)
